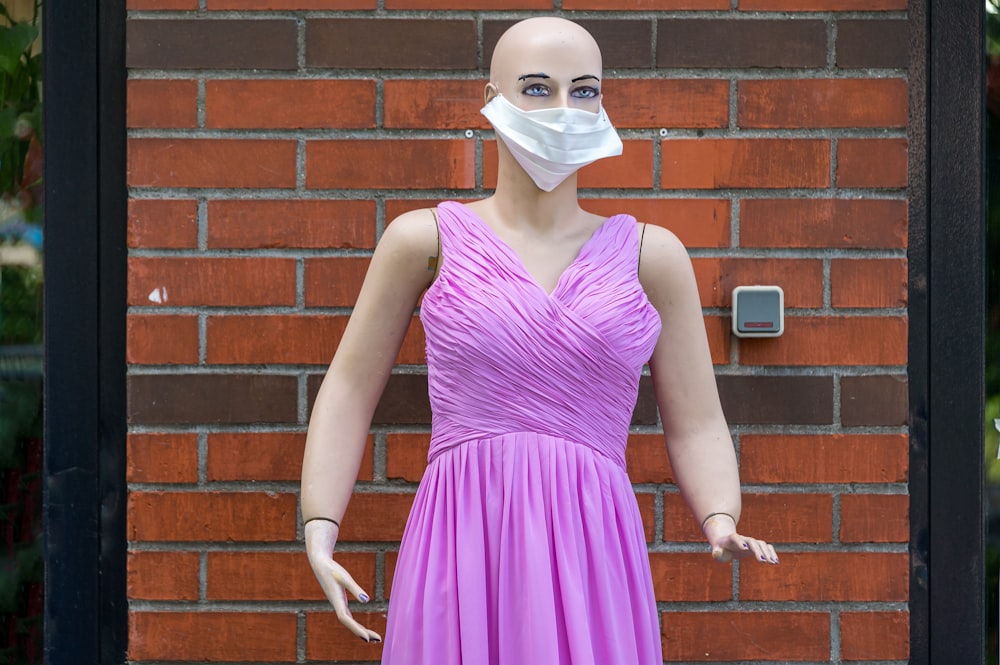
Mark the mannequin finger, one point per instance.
(722, 555)
(345, 580)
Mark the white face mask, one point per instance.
(551, 144)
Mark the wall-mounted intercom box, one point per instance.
(758, 311)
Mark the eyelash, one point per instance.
(541, 90)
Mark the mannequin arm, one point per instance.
(342, 412)
(700, 447)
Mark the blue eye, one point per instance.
(587, 92)
(536, 90)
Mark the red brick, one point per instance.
(159, 103)
(406, 456)
(211, 516)
(874, 518)
(752, 163)
(160, 4)
(290, 339)
(299, 223)
(291, 5)
(824, 223)
(391, 164)
(868, 283)
(211, 163)
(250, 456)
(390, 570)
(822, 5)
(396, 207)
(328, 640)
(181, 282)
(826, 341)
(719, 331)
(633, 5)
(159, 223)
(162, 458)
(690, 577)
(776, 518)
(820, 458)
(793, 103)
(434, 104)
(412, 351)
(788, 518)
(829, 576)
(303, 104)
(277, 575)
(220, 636)
(658, 102)
(679, 525)
(632, 169)
(334, 281)
(265, 456)
(875, 635)
(273, 339)
(646, 459)
(647, 508)
(695, 222)
(163, 575)
(161, 340)
(468, 4)
(800, 279)
(872, 163)
(742, 636)
(376, 517)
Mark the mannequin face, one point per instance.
(547, 62)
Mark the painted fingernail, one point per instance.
(363, 597)
(745, 546)
(763, 558)
(365, 640)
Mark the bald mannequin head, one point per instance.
(546, 62)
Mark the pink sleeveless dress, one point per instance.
(525, 544)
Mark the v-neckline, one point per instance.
(519, 262)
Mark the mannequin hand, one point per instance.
(727, 545)
(321, 537)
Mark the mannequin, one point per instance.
(540, 233)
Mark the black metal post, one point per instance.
(85, 199)
(947, 348)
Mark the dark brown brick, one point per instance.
(207, 398)
(873, 401)
(624, 44)
(211, 44)
(645, 406)
(405, 401)
(877, 43)
(740, 43)
(391, 44)
(786, 400)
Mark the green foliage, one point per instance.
(20, 113)
(21, 305)
(21, 559)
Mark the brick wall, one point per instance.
(270, 141)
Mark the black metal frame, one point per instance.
(946, 309)
(86, 613)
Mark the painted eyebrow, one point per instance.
(541, 75)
